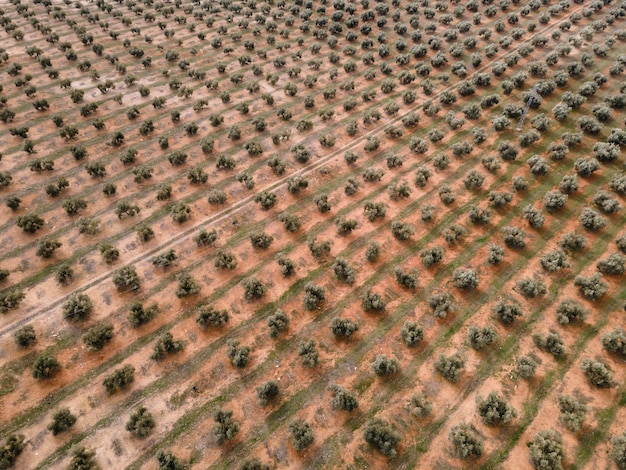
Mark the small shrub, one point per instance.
(466, 441)
(225, 428)
(612, 264)
(343, 328)
(551, 343)
(96, 337)
(569, 310)
(139, 315)
(420, 405)
(78, 307)
(168, 461)
(187, 286)
(411, 334)
(313, 296)
(554, 261)
(527, 365)
(267, 391)
(277, 323)
(465, 278)
(531, 288)
(618, 452)
(126, 279)
(592, 288)
(238, 355)
(494, 410)
(450, 367)
(573, 241)
(379, 434)
(480, 338)
(25, 336)
(83, 459)
(546, 450)
(62, 421)
(119, 379)
(204, 238)
(441, 304)
(165, 345)
(308, 353)
(302, 436)
(598, 373)
(495, 254)
(45, 367)
(141, 423)
(402, 230)
(342, 400)
(384, 366)
(344, 271)
(573, 412)
(615, 342)
(514, 237)
(372, 302)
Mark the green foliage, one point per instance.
(25, 336)
(344, 271)
(10, 299)
(141, 423)
(225, 260)
(465, 278)
(380, 435)
(209, 316)
(527, 365)
(11, 450)
(618, 452)
(546, 450)
(420, 405)
(342, 400)
(343, 328)
(308, 353)
(372, 302)
(62, 420)
(573, 412)
(139, 315)
(507, 311)
(402, 230)
(278, 322)
(592, 288)
(267, 392)
(253, 464)
(554, 260)
(384, 366)
(494, 410)
(431, 256)
(45, 367)
(96, 337)
(238, 355)
(119, 379)
(479, 338)
(441, 304)
(261, 240)
(126, 279)
(531, 288)
(466, 441)
(225, 428)
(407, 279)
(164, 260)
(168, 461)
(302, 435)
(552, 343)
(77, 308)
(319, 249)
(46, 247)
(83, 459)
(374, 210)
(598, 373)
(204, 238)
(165, 345)
(313, 296)
(187, 286)
(450, 367)
(411, 334)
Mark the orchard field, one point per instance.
(312, 234)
